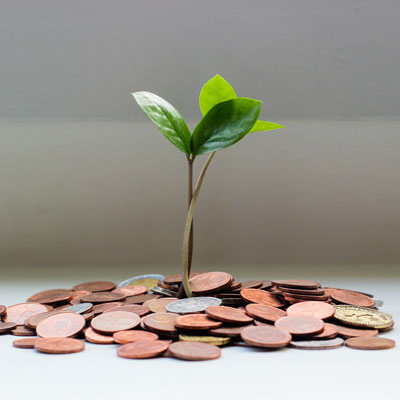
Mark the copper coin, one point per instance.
(33, 322)
(210, 282)
(26, 343)
(21, 330)
(163, 323)
(102, 307)
(18, 313)
(228, 314)
(351, 298)
(158, 305)
(143, 349)
(102, 297)
(94, 337)
(314, 308)
(347, 333)
(370, 343)
(51, 296)
(140, 299)
(124, 337)
(262, 297)
(387, 328)
(310, 292)
(194, 351)
(76, 296)
(115, 321)
(261, 323)
(329, 332)
(266, 285)
(317, 344)
(235, 285)
(264, 312)
(57, 345)
(81, 308)
(300, 324)
(169, 287)
(196, 322)
(266, 336)
(132, 290)
(137, 309)
(64, 325)
(250, 285)
(230, 331)
(88, 316)
(3, 310)
(6, 327)
(177, 278)
(297, 284)
(97, 286)
(290, 297)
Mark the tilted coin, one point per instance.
(296, 297)
(347, 333)
(80, 308)
(249, 285)
(6, 327)
(137, 309)
(266, 336)
(64, 325)
(96, 286)
(102, 307)
(25, 343)
(76, 296)
(148, 280)
(264, 312)
(262, 297)
(314, 308)
(228, 331)
(158, 305)
(300, 325)
(196, 322)
(33, 322)
(51, 296)
(351, 298)
(94, 337)
(3, 310)
(163, 322)
(176, 279)
(140, 299)
(317, 344)
(57, 345)
(131, 290)
(162, 291)
(18, 313)
(210, 282)
(370, 343)
(312, 292)
(114, 321)
(192, 304)
(102, 297)
(132, 336)
(362, 316)
(214, 340)
(228, 314)
(194, 351)
(329, 332)
(297, 284)
(143, 349)
(21, 330)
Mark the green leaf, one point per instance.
(215, 91)
(261, 126)
(167, 118)
(225, 124)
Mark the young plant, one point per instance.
(226, 120)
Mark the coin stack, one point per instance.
(144, 317)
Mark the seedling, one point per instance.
(226, 120)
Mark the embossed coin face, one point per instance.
(161, 322)
(317, 344)
(363, 317)
(55, 345)
(102, 297)
(300, 325)
(347, 332)
(228, 314)
(158, 305)
(94, 337)
(196, 322)
(143, 349)
(194, 351)
(192, 305)
(370, 343)
(18, 313)
(131, 290)
(80, 308)
(148, 280)
(96, 286)
(51, 296)
(210, 282)
(114, 321)
(6, 327)
(262, 297)
(215, 340)
(314, 308)
(264, 312)
(124, 337)
(64, 325)
(266, 336)
(25, 343)
(351, 298)
(297, 284)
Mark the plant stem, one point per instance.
(187, 232)
(190, 196)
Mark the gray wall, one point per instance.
(85, 180)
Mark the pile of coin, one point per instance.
(144, 317)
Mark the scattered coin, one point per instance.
(125, 337)
(163, 323)
(21, 330)
(317, 344)
(57, 345)
(94, 337)
(51, 296)
(6, 327)
(351, 298)
(297, 284)
(192, 304)
(80, 308)
(102, 297)
(96, 286)
(131, 290)
(313, 308)
(266, 336)
(66, 324)
(176, 279)
(370, 343)
(149, 280)
(140, 299)
(312, 292)
(194, 351)
(329, 332)
(143, 349)
(139, 310)
(76, 296)
(300, 325)
(210, 282)
(18, 313)
(196, 322)
(26, 343)
(264, 312)
(298, 297)
(33, 322)
(102, 307)
(228, 331)
(164, 292)
(159, 305)
(250, 285)
(214, 340)
(228, 314)
(114, 321)
(347, 333)
(387, 327)
(363, 316)
(262, 297)
(3, 310)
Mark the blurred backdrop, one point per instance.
(86, 181)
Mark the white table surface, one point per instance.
(97, 373)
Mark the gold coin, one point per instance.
(362, 316)
(216, 341)
(148, 282)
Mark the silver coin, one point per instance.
(317, 344)
(164, 292)
(80, 308)
(136, 278)
(192, 305)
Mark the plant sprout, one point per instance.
(226, 120)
